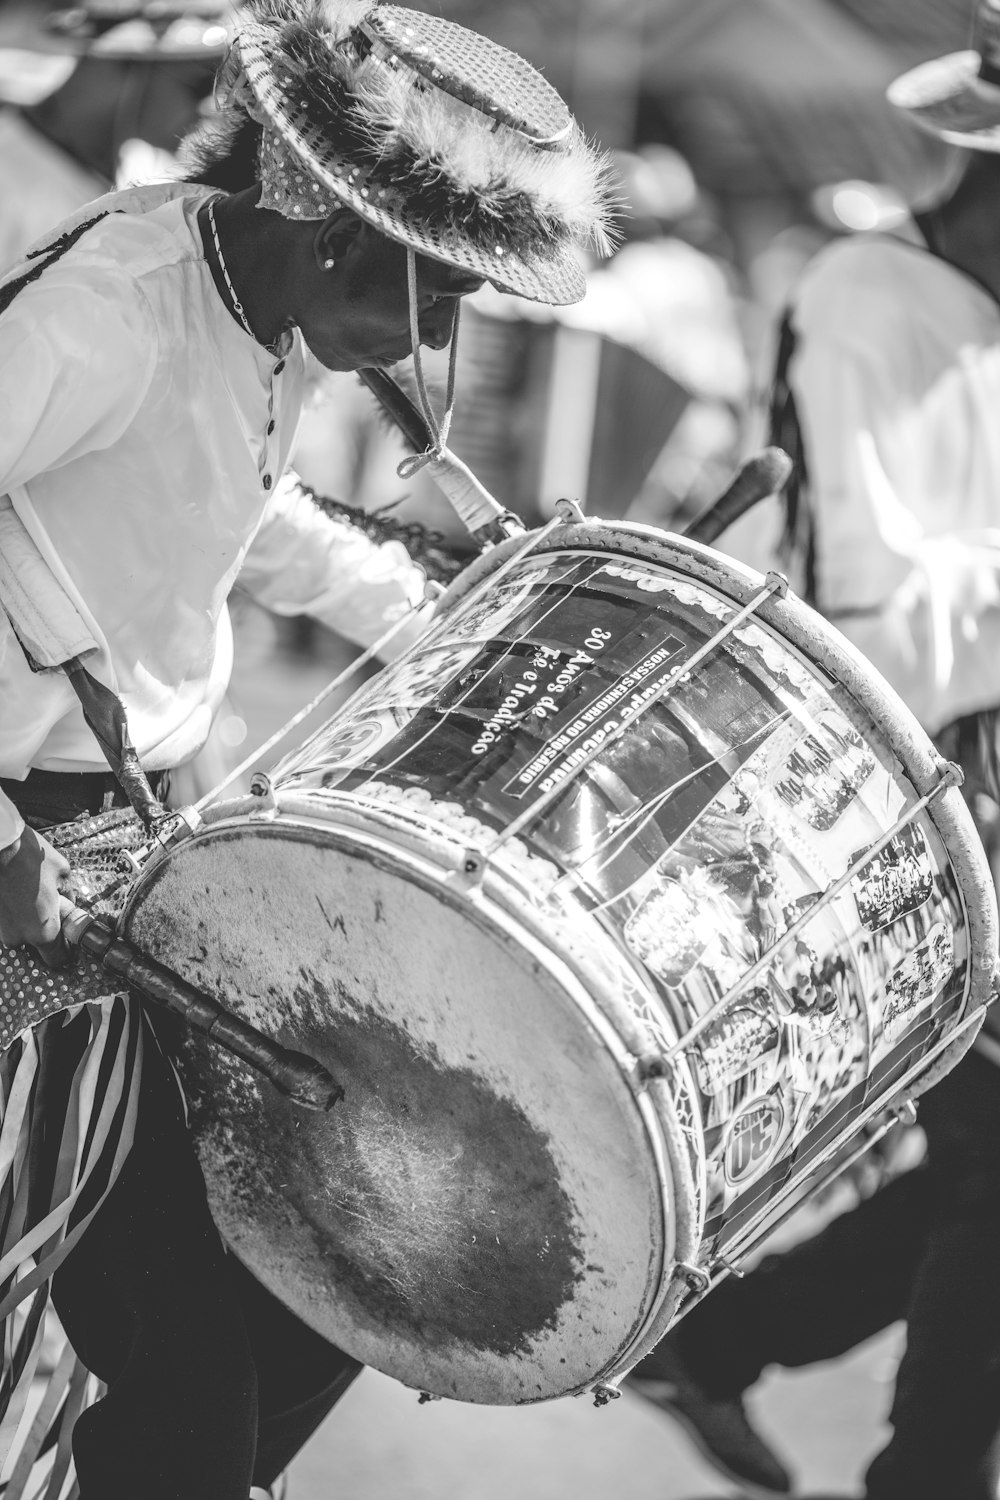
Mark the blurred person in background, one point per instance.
(886, 395)
(676, 265)
(111, 92)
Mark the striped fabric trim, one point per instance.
(61, 1151)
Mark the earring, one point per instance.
(329, 264)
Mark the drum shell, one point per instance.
(850, 687)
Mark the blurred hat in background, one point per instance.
(28, 77)
(657, 187)
(39, 51)
(957, 97)
(124, 30)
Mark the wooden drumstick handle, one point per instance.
(398, 408)
(762, 475)
(300, 1078)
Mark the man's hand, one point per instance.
(33, 876)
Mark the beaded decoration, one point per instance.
(30, 992)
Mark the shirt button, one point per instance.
(267, 481)
(279, 367)
(270, 427)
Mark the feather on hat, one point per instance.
(434, 134)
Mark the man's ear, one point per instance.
(337, 234)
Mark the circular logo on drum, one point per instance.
(753, 1140)
(350, 743)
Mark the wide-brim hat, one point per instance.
(957, 97)
(130, 31)
(435, 135)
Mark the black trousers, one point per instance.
(213, 1385)
(925, 1249)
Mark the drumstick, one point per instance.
(762, 475)
(298, 1077)
(398, 407)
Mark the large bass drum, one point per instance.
(618, 906)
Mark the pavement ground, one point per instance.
(381, 1444)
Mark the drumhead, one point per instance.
(483, 1215)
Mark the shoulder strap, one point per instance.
(45, 256)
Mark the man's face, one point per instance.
(357, 314)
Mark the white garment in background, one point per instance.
(896, 378)
(143, 443)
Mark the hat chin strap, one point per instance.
(475, 506)
(439, 432)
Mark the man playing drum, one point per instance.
(887, 392)
(379, 165)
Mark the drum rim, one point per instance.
(370, 829)
(857, 685)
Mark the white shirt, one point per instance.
(143, 440)
(896, 377)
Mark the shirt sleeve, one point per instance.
(77, 351)
(304, 562)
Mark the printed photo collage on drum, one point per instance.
(699, 826)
